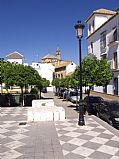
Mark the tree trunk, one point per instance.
(88, 104)
(1, 89)
(22, 97)
(56, 91)
(40, 94)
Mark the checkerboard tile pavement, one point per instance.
(34, 140)
(92, 141)
(11, 133)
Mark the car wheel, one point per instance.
(110, 122)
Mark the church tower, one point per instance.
(58, 54)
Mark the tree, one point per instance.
(21, 76)
(43, 84)
(1, 73)
(73, 83)
(95, 72)
(8, 74)
(56, 83)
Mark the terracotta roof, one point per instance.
(15, 55)
(49, 56)
(101, 11)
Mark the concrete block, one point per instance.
(37, 116)
(45, 111)
(56, 115)
(39, 103)
(30, 116)
(62, 114)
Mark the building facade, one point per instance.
(103, 42)
(45, 70)
(62, 67)
(15, 58)
(52, 67)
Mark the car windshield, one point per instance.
(73, 93)
(94, 99)
(114, 106)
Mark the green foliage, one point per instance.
(1, 71)
(45, 82)
(67, 82)
(103, 73)
(94, 72)
(34, 91)
(8, 74)
(56, 82)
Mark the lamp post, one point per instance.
(79, 34)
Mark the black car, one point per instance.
(109, 111)
(91, 103)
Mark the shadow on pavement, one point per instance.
(72, 106)
(46, 98)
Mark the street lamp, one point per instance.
(79, 34)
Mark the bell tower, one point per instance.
(58, 54)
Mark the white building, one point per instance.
(15, 58)
(103, 42)
(45, 70)
(70, 68)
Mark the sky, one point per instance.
(35, 28)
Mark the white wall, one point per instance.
(99, 20)
(45, 70)
(15, 61)
(70, 68)
(110, 48)
(95, 38)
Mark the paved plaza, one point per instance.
(20, 139)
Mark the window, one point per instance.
(61, 75)
(104, 56)
(91, 47)
(115, 60)
(93, 26)
(103, 40)
(115, 35)
(89, 28)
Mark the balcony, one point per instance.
(113, 38)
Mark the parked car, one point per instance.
(72, 96)
(75, 98)
(109, 111)
(44, 90)
(65, 93)
(61, 92)
(90, 105)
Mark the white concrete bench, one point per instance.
(44, 110)
(38, 103)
